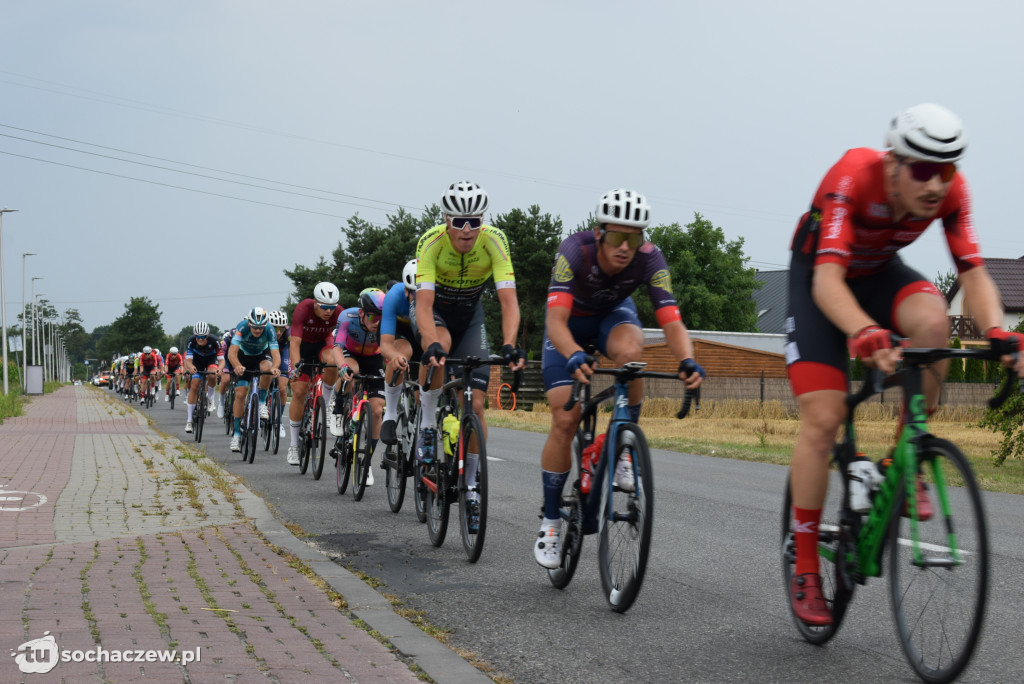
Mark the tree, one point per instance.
(137, 327)
(77, 342)
(1008, 419)
(710, 281)
(945, 281)
(181, 338)
(533, 240)
(956, 366)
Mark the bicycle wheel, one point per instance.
(472, 540)
(319, 449)
(305, 439)
(626, 522)
(395, 460)
(229, 401)
(572, 522)
(343, 463)
(268, 424)
(419, 494)
(251, 429)
(938, 577)
(199, 416)
(276, 416)
(172, 391)
(437, 501)
(362, 452)
(834, 542)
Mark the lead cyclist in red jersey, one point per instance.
(847, 286)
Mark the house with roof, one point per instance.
(1008, 275)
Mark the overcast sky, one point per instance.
(259, 127)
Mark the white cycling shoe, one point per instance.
(624, 478)
(336, 424)
(293, 455)
(236, 443)
(264, 412)
(548, 549)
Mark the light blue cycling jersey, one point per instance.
(395, 310)
(249, 344)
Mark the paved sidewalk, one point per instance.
(113, 541)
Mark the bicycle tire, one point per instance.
(939, 605)
(199, 416)
(343, 465)
(419, 497)
(837, 586)
(277, 416)
(627, 519)
(172, 393)
(305, 438)
(572, 522)
(472, 541)
(266, 425)
(395, 460)
(437, 502)
(229, 402)
(319, 448)
(362, 454)
(252, 430)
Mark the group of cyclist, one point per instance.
(848, 291)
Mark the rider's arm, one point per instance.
(557, 325)
(509, 314)
(425, 316)
(981, 298)
(233, 354)
(387, 347)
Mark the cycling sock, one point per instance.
(209, 395)
(428, 402)
(294, 425)
(189, 408)
(263, 396)
(391, 396)
(328, 395)
(553, 483)
(805, 531)
(471, 465)
(634, 412)
(238, 426)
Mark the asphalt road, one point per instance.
(712, 607)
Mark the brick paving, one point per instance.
(110, 538)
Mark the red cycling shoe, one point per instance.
(924, 503)
(809, 605)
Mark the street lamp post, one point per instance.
(37, 330)
(3, 296)
(24, 322)
(35, 354)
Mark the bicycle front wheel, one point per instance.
(939, 567)
(319, 447)
(362, 452)
(572, 522)
(275, 425)
(473, 494)
(394, 461)
(626, 522)
(252, 429)
(199, 417)
(267, 425)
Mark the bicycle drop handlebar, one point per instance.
(471, 362)
(631, 371)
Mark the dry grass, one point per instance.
(752, 432)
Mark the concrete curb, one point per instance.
(437, 660)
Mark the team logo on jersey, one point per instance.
(662, 280)
(562, 271)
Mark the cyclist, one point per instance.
(159, 374)
(227, 370)
(357, 350)
(279, 319)
(847, 286)
(396, 344)
(589, 302)
(172, 363)
(311, 339)
(146, 364)
(253, 348)
(127, 371)
(202, 352)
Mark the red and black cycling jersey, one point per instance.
(147, 360)
(579, 284)
(172, 360)
(850, 222)
(310, 327)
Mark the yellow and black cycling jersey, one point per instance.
(458, 279)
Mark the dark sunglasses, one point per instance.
(924, 171)
(327, 307)
(464, 223)
(254, 328)
(616, 238)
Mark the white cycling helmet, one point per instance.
(409, 274)
(147, 350)
(625, 208)
(201, 328)
(326, 293)
(174, 350)
(257, 316)
(929, 132)
(464, 199)
(278, 319)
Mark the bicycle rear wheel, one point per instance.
(834, 544)
(319, 448)
(626, 522)
(938, 577)
(572, 522)
(472, 540)
(362, 452)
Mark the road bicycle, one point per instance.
(622, 519)
(938, 564)
(444, 480)
(251, 415)
(354, 449)
(228, 402)
(271, 427)
(399, 460)
(172, 388)
(313, 432)
(202, 404)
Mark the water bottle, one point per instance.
(591, 455)
(864, 477)
(450, 433)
